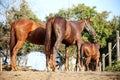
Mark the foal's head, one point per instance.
(89, 28)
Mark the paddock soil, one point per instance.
(59, 75)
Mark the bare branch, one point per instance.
(2, 4)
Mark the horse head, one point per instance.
(90, 28)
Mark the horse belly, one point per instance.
(95, 53)
(36, 39)
(69, 41)
(94, 57)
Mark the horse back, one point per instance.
(86, 49)
(73, 32)
(95, 51)
(25, 23)
(91, 49)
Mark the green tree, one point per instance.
(23, 12)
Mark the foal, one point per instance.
(91, 52)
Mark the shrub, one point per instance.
(115, 66)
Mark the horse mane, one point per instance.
(42, 24)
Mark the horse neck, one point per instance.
(97, 44)
(81, 25)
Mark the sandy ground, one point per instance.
(59, 75)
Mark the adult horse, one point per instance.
(91, 52)
(58, 31)
(22, 30)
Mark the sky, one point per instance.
(42, 8)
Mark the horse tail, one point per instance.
(48, 34)
(12, 37)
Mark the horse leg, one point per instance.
(78, 55)
(93, 66)
(14, 52)
(50, 57)
(55, 48)
(51, 66)
(66, 58)
(97, 62)
(48, 63)
(88, 59)
(82, 53)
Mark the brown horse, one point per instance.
(91, 52)
(22, 30)
(58, 31)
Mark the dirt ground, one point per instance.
(59, 75)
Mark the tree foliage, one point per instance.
(23, 12)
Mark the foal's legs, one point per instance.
(88, 59)
(13, 54)
(97, 62)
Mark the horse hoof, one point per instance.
(54, 70)
(14, 69)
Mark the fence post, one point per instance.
(110, 52)
(117, 45)
(0, 63)
(100, 66)
(103, 61)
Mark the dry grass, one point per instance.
(38, 75)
